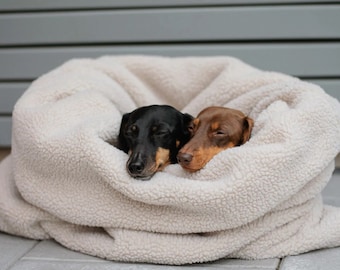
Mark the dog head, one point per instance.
(152, 136)
(215, 129)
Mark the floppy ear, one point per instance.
(186, 120)
(122, 143)
(247, 128)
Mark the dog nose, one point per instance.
(136, 167)
(184, 158)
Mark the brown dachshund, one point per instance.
(215, 129)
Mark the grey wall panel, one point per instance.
(332, 87)
(297, 37)
(15, 5)
(5, 131)
(308, 60)
(164, 25)
(9, 94)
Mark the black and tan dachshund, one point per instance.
(152, 136)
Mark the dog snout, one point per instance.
(136, 164)
(184, 158)
(136, 167)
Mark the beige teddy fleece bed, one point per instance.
(64, 179)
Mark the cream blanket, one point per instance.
(64, 180)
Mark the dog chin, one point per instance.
(142, 177)
(194, 166)
(189, 169)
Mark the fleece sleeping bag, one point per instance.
(65, 180)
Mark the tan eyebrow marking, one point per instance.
(215, 125)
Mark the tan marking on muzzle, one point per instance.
(202, 156)
(162, 158)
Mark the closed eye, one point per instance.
(220, 133)
(161, 133)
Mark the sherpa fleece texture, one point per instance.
(64, 179)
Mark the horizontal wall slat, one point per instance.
(5, 131)
(332, 87)
(308, 60)
(164, 25)
(12, 5)
(9, 94)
